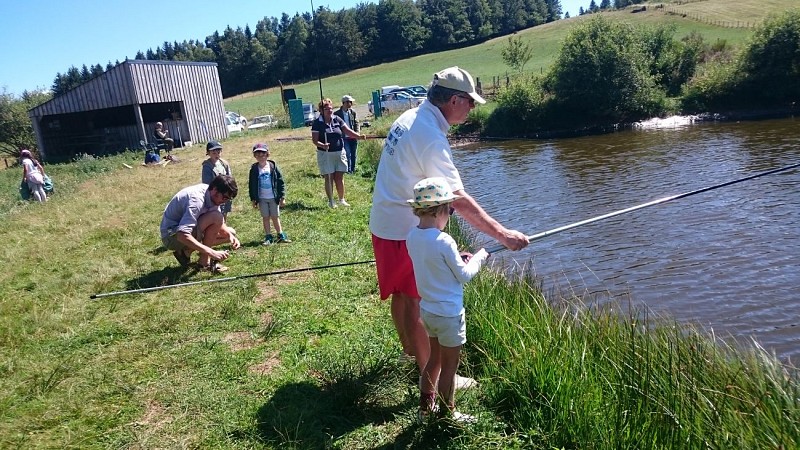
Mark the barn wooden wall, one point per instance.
(193, 86)
(196, 84)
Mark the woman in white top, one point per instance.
(33, 174)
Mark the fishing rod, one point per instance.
(221, 280)
(494, 249)
(542, 235)
(301, 138)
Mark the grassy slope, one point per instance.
(484, 60)
(184, 366)
(275, 362)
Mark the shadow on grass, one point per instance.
(350, 392)
(299, 206)
(171, 274)
(304, 415)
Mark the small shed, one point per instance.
(120, 108)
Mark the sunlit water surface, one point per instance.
(727, 260)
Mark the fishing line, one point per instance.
(221, 280)
(494, 249)
(542, 235)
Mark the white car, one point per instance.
(415, 90)
(237, 118)
(396, 102)
(267, 121)
(233, 127)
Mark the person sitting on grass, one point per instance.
(265, 185)
(440, 270)
(192, 221)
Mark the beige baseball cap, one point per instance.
(458, 79)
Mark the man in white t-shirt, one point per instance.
(416, 147)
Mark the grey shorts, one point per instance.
(269, 207)
(330, 162)
(171, 241)
(450, 331)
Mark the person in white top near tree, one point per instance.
(440, 271)
(33, 174)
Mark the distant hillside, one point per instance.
(727, 20)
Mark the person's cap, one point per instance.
(260, 147)
(25, 152)
(213, 145)
(458, 79)
(347, 98)
(432, 192)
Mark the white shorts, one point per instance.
(450, 331)
(330, 162)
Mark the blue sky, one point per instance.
(41, 38)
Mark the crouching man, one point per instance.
(192, 221)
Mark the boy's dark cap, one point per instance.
(260, 147)
(213, 145)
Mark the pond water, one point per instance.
(727, 260)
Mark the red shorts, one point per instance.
(395, 272)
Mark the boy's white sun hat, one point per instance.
(432, 191)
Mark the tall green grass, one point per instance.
(570, 376)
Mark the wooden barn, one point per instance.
(120, 108)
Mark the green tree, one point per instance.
(400, 23)
(479, 13)
(553, 10)
(233, 59)
(292, 45)
(514, 16)
(602, 74)
(516, 53)
(366, 17)
(16, 130)
(446, 20)
(770, 63)
(350, 38)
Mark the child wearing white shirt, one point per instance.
(440, 271)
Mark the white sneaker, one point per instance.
(343, 202)
(332, 205)
(423, 415)
(465, 382)
(463, 418)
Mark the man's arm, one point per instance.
(189, 241)
(472, 212)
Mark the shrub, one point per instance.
(771, 61)
(602, 74)
(766, 73)
(520, 107)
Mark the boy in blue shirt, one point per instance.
(265, 186)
